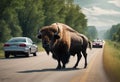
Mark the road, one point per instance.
(42, 69)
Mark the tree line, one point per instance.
(26, 17)
(92, 32)
(113, 33)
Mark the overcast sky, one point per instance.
(101, 13)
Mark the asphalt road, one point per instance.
(42, 69)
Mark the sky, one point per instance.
(101, 13)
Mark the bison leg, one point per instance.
(59, 65)
(65, 59)
(85, 56)
(78, 59)
(64, 64)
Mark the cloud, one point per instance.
(115, 2)
(101, 13)
(101, 22)
(96, 11)
(100, 17)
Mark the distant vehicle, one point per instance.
(20, 46)
(97, 43)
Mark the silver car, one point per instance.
(20, 46)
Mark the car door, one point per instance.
(33, 46)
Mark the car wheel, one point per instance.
(7, 55)
(15, 55)
(34, 54)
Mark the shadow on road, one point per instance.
(17, 57)
(51, 69)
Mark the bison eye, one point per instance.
(39, 36)
(56, 36)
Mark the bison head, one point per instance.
(49, 36)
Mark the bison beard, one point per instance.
(47, 49)
(61, 55)
(62, 41)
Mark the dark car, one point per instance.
(97, 44)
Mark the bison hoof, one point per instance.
(74, 67)
(85, 67)
(59, 67)
(63, 67)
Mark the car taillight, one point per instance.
(6, 45)
(22, 45)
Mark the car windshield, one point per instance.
(97, 41)
(17, 40)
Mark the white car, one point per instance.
(20, 46)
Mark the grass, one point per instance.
(40, 48)
(112, 60)
(2, 52)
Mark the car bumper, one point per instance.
(97, 46)
(15, 52)
(24, 50)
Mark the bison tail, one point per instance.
(90, 44)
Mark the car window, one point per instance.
(17, 40)
(29, 41)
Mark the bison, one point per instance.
(63, 41)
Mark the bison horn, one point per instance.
(58, 29)
(56, 35)
(39, 35)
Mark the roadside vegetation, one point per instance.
(1, 50)
(112, 60)
(113, 33)
(40, 48)
(92, 32)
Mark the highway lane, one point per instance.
(42, 69)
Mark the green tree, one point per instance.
(4, 31)
(75, 18)
(92, 32)
(9, 17)
(3, 5)
(114, 33)
(52, 10)
(31, 17)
